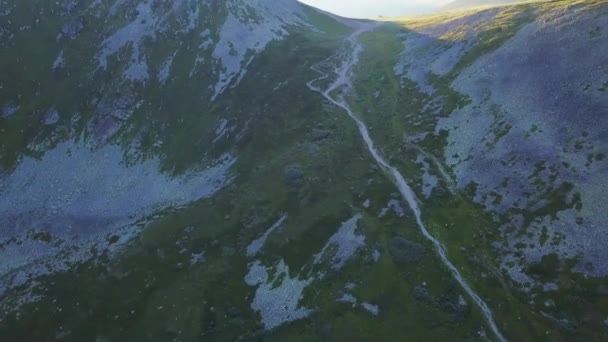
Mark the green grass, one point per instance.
(150, 293)
(468, 231)
(325, 23)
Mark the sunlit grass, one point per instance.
(421, 22)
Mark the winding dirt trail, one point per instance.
(343, 82)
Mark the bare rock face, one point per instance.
(535, 134)
(51, 117)
(9, 110)
(111, 112)
(294, 177)
(72, 29)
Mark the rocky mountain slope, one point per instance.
(248, 169)
(87, 138)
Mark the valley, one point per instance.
(263, 170)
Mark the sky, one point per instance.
(375, 8)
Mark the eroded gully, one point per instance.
(344, 82)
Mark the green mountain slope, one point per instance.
(188, 171)
(464, 4)
(493, 109)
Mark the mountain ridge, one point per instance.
(467, 4)
(169, 173)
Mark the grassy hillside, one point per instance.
(405, 111)
(195, 188)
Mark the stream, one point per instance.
(344, 82)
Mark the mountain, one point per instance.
(463, 4)
(130, 107)
(263, 170)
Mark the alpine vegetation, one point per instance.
(243, 170)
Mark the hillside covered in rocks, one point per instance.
(262, 170)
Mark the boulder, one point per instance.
(51, 117)
(294, 177)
